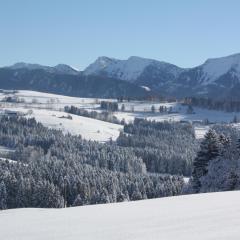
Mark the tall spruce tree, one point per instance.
(209, 150)
(3, 196)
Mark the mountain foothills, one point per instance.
(62, 80)
(134, 77)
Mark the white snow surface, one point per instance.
(7, 160)
(48, 111)
(215, 67)
(146, 88)
(88, 128)
(143, 110)
(55, 100)
(212, 216)
(47, 105)
(129, 69)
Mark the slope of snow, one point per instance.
(88, 128)
(100, 64)
(215, 67)
(65, 69)
(200, 131)
(212, 216)
(57, 101)
(129, 69)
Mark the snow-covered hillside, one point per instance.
(46, 100)
(48, 109)
(88, 128)
(128, 70)
(213, 216)
(215, 78)
(132, 68)
(215, 67)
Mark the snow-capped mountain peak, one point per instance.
(99, 65)
(213, 68)
(129, 69)
(65, 69)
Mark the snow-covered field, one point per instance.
(144, 110)
(48, 108)
(5, 149)
(88, 128)
(214, 216)
(48, 100)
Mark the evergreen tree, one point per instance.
(153, 109)
(190, 109)
(3, 196)
(123, 108)
(235, 119)
(78, 201)
(209, 150)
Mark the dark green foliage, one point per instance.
(3, 195)
(109, 106)
(228, 105)
(103, 116)
(164, 147)
(209, 150)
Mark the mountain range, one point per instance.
(134, 77)
(216, 77)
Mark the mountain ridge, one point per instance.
(216, 77)
(59, 68)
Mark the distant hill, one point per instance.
(72, 84)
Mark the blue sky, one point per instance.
(76, 32)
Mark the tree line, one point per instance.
(213, 104)
(106, 116)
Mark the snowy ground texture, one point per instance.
(214, 216)
(48, 109)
